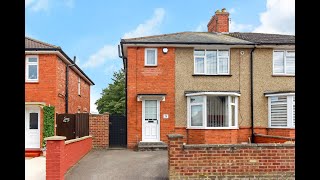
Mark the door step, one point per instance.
(152, 146)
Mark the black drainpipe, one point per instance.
(251, 87)
(125, 71)
(67, 82)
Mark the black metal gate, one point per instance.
(117, 131)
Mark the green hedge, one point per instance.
(48, 123)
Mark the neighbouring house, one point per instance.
(212, 87)
(47, 83)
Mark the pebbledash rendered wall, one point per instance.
(233, 161)
(238, 80)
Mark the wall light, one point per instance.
(165, 50)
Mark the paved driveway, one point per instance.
(35, 168)
(120, 165)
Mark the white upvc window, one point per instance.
(32, 68)
(211, 62)
(79, 86)
(281, 111)
(284, 62)
(150, 57)
(212, 112)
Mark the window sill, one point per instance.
(32, 82)
(212, 128)
(281, 128)
(229, 75)
(150, 65)
(283, 75)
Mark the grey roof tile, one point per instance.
(30, 43)
(263, 38)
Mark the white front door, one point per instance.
(32, 127)
(151, 120)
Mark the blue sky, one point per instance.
(91, 30)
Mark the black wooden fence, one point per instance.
(72, 125)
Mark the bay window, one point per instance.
(212, 111)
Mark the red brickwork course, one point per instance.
(266, 161)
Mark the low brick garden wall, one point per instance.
(254, 161)
(61, 154)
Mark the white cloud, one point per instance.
(149, 27)
(235, 27)
(232, 11)
(98, 58)
(94, 96)
(202, 27)
(278, 18)
(38, 5)
(109, 52)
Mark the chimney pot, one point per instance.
(223, 10)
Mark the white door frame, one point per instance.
(27, 117)
(143, 121)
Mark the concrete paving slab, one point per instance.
(120, 165)
(35, 168)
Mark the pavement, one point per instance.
(120, 165)
(35, 168)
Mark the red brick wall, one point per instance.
(99, 130)
(150, 80)
(261, 138)
(219, 23)
(281, 132)
(60, 156)
(76, 102)
(45, 89)
(230, 161)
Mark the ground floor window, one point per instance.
(281, 111)
(212, 111)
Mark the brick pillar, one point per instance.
(99, 130)
(54, 158)
(175, 149)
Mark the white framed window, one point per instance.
(150, 57)
(79, 86)
(32, 68)
(212, 112)
(281, 111)
(284, 62)
(211, 62)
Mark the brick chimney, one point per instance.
(219, 22)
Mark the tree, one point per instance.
(113, 97)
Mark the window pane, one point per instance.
(290, 53)
(217, 111)
(223, 65)
(294, 111)
(150, 110)
(223, 53)
(278, 61)
(233, 115)
(290, 65)
(196, 115)
(32, 59)
(233, 99)
(196, 99)
(33, 74)
(199, 52)
(33, 121)
(199, 63)
(151, 57)
(211, 63)
(279, 111)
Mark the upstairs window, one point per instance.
(211, 62)
(79, 86)
(32, 69)
(150, 57)
(284, 62)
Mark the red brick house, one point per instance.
(45, 84)
(212, 87)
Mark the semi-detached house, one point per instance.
(212, 87)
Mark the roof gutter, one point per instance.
(251, 89)
(186, 43)
(61, 54)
